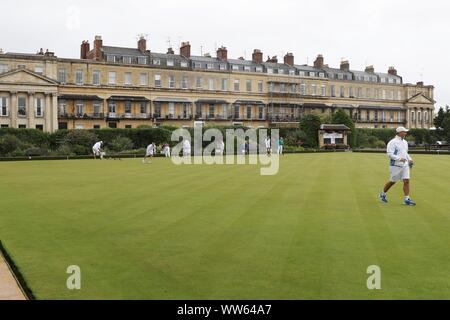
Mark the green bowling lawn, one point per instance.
(161, 231)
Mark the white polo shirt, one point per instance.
(397, 149)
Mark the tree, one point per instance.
(341, 117)
(439, 118)
(310, 125)
(446, 126)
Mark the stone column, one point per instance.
(47, 113)
(30, 108)
(54, 114)
(13, 109)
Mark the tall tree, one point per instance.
(439, 118)
(310, 125)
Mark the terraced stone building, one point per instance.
(129, 87)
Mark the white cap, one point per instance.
(402, 129)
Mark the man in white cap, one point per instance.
(400, 165)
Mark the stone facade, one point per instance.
(131, 87)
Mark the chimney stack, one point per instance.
(370, 69)
(142, 44)
(85, 48)
(222, 54)
(345, 65)
(257, 56)
(185, 49)
(170, 51)
(392, 71)
(274, 59)
(319, 62)
(420, 83)
(289, 59)
(98, 48)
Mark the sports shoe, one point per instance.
(383, 197)
(409, 202)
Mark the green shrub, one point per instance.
(120, 144)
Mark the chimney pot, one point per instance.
(392, 71)
(345, 65)
(257, 56)
(142, 44)
(370, 69)
(289, 59)
(319, 62)
(185, 49)
(222, 54)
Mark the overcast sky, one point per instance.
(412, 35)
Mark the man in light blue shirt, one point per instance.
(400, 165)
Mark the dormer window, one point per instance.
(170, 63)
(156, 62)
(184, 64)
(235, 67)
(269, 70)
(259, 69)
(223, 67)
(142, 60)
(302, 73)
(291, 72)
(127, 60)
(322, 75)
(312, 74)
(247, 69)
(110, 58)
(281, 71)
(209, 66)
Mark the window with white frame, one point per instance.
(282, 87)
(323, 90)
(22, 106)
(143, 79)
(384, 94)
(110, 58)
(350, 92)
(247, 69)
(259, 69)
(313, 89)
(156, 62)
(96, 78)
(368, 93)
(62, 107)
(4, 112)
(62, 76)
(342, 92)
(143, 107)
(260, 86)
(224, 84)
(235, 67)
(3, 68)
(248, 85)
(199, 82)
(237, 85)
(222, 67)
(183, 64)
(322, 75)
(170, 63)
(197, 65)
(128, 80)
(293, 87)
(281, 71)
(157, 80)
(39, 107)
(302, 73)
(184, 82)
(292, 72)
(399, 95)
(112, 107)
(209, 66)
(303, 89)
(79, 77)
(312, 74)
(127, 60)
(172, 82)
(211, 84)
(97, 108)
(79, 108)
(171, 109)
(111, 78)
(269, 70)
(142, 60)
(128, 107)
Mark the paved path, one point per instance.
(9, 289)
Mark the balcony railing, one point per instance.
(81, 115)
(284, 118)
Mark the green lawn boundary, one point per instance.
(16, 273)
(128, 156)
(437, 152)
